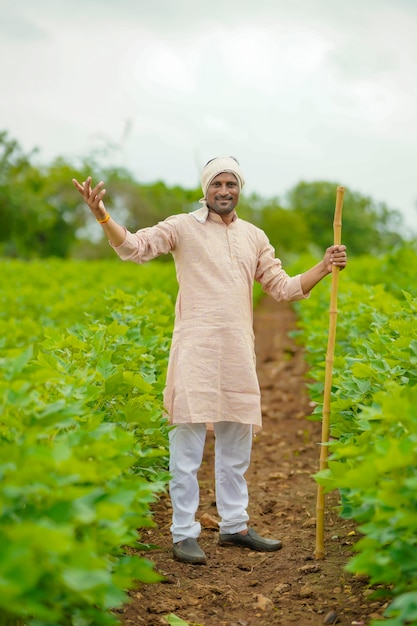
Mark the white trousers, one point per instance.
(233, 444)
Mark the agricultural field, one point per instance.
(373, 445)
(83, 442)
(83, 438)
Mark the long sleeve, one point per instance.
(148, 243)
(273, 278)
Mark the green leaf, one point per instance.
(79, 579)
(17, 364)
(404, 607)
(137, 380)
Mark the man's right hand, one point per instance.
(92, 197)
(115, 233)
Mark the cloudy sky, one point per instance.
(296, 89)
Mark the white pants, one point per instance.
(233, 444)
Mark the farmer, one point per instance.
(211, 378)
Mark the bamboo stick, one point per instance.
(325, 429)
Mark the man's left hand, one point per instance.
(335, 256)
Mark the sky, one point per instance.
(295, 89)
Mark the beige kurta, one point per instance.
(212, 370)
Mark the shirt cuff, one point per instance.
(298, 290)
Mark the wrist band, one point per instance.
(105, 220)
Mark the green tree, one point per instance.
(42, 215)
(14, 167)
(288, 231)
(132, 204)
(37, 205)
(146, 204)
(367, 226)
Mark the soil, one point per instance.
(239, 587)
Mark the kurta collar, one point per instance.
(200, 214)
(203, 213)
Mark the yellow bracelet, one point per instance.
(105, 220)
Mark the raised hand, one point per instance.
(93, 197)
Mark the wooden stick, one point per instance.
(325, 429)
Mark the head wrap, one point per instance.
(217, 166)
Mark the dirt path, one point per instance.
(242, 588)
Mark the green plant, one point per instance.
(83, 449)
(373, 448)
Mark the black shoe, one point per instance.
(251, 540)
(188, 551)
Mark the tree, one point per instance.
(42, 215)
(288, 231)
(14, 166)
(37, 205)
(134, 205)
(367, 226)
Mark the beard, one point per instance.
(222, 207)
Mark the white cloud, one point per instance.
(300, 90)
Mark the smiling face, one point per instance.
(223, 195)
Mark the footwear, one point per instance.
(251, 540)
(188, 551)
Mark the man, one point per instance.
(211, 378)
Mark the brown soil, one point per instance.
(242, 588)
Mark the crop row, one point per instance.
(83, 438)
(373, 446)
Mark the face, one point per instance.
(223, 194)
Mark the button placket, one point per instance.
(233, 251)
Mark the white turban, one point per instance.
(217, 166)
